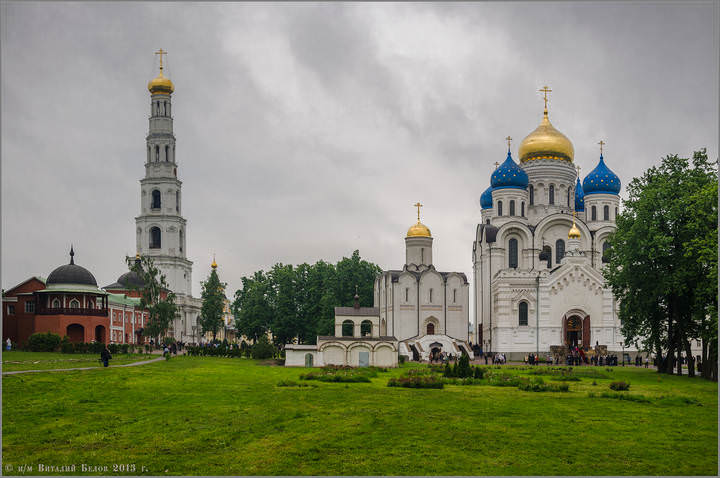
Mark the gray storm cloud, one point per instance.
(307, 131)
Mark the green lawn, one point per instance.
(210, 416)
(17, 360)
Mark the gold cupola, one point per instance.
(546, 142)
(214, 264)
(161, 84)
(419, 229)
(574, 232)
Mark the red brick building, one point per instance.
(69, 303)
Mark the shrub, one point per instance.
(124, 348)
(290, 383)
(619, 386)
(463, 367)
(402, 359)
(47, 342)
(66, 346)
(263, 349)
(447, 371)
(479, 372)
(416, 381)
(113, 348)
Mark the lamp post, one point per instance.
(537, 315)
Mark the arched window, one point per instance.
(522, 313)
(177, 201)
(522, 209)
(606, 213)
(454, 295)
(407, 293)
(605, 247)
(430, 328)
(348, 328)
(616, 211)
(568, 196)
(512, 207)
(532, 195)
(431, 291)
(155, 199)
(167, 153)
(551, 197)
(157, 153)
(513, 253)
(149, 154)
(56, 303)
(74, 304)
(365, 328)
(559, 250)
(155, 238)
(181, 240)
(593, 214)
(499, 208)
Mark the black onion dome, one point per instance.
(71, 274)
(131, 280)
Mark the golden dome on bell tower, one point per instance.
(419, 229)
(546, 142)
(574, 232)
(161, 84)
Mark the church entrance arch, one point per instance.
(430, 329)
(577, 331)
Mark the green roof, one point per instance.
(122, 299)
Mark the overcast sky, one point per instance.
(307, 131)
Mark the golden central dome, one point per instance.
(161, 84)
(419, 230)
(546, 143)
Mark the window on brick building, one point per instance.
(29, 307)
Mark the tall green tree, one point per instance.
(213, 303)
(663, 260)
(252, 306)
(155, 296)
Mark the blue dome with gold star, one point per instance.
(486, 199)
(579, 197)
(601, 180)
(509, 176)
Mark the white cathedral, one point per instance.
(537, 266)
(161, 230)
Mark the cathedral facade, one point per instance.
(539, 252)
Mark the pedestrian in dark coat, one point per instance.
(105, 356)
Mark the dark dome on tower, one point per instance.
(71, 274)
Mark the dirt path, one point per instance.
(143, 362)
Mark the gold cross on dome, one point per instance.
(545, 90)
(496, 164)
(418, 206)
(161, 52)
(601, 143)
(578, 169)
(508, 139)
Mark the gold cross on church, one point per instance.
(418, 206)
(578, 169)
(545, 90)
(161, 52)
(508, 139)
(601, 143)
(496, 164)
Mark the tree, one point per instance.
(213, 304)
(252, 306)
(155, 296)
(298, 302)
(663, 261)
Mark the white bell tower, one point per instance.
(161, 230)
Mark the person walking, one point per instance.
(105, 356)
(8, 344)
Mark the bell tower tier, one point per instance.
(160, 227)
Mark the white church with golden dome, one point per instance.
(425, 309)
(539, 252)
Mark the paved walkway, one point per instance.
(84, 368)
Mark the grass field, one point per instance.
(211, 416)
(17, 360)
